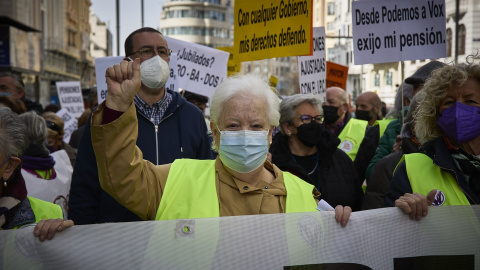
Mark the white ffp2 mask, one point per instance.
(154, 72)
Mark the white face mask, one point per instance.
(243, 151)
(155, 72)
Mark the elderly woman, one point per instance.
(16, 208)
(47, 176)
(446, 124)
(55, 136)
(239, 182)
(306, 149)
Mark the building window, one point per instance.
(330, 26)
(461, 39)
(388, 78)
(377, 79)
(331, 8)
(449, 42)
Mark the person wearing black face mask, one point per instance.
(357, 139)
(305, 148)
(368, 107)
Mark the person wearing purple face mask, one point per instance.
(447, 169)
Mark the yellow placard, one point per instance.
(273, 81)
(272, 28)
(233, 66)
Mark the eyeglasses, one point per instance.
(51, 125)
(307, 119)
(150, 51)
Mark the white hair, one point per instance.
(245, 85)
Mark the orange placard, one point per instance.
(336, 75)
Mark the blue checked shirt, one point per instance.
(155, 112)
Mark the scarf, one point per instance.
(468, 164)
(11, 199)
(37, 158)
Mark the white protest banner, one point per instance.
(385, 239)
(200, 68)
(172, 82)
(71, 98)
(70, 123)
(391, 30)
(101, 65)
(312, 69)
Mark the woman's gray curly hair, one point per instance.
(435, 89)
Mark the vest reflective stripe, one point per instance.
(425, 176)
(352, 136)
(382, 125)
(180, 200)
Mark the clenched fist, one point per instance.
(123, 82)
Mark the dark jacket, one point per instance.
(385, 145)
(366, 151)
(182, 133)
(337, 182)
(382, 175)
(438, 152)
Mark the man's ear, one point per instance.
(11, 165)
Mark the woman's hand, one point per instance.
(416, 205)
(46, 229)
(342, 214)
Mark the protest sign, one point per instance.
(101, 65)
(70, 124)
(172, 82)
(273, 81)
(336, 75)
(272, 28)
(233, 66)
(311, 69)
(200, 68)
(391, 30)
(71, 98)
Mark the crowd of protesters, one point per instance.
(147, 153)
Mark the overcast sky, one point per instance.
(130, 16)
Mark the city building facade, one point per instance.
(48, 41)
(204, 22)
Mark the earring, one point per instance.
(5, 182)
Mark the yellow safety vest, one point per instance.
(425, 176)
(191, 192)
(44, 210)
(352, 136)
(14, 252)
(382, 125)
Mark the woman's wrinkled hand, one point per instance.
(46, 229)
